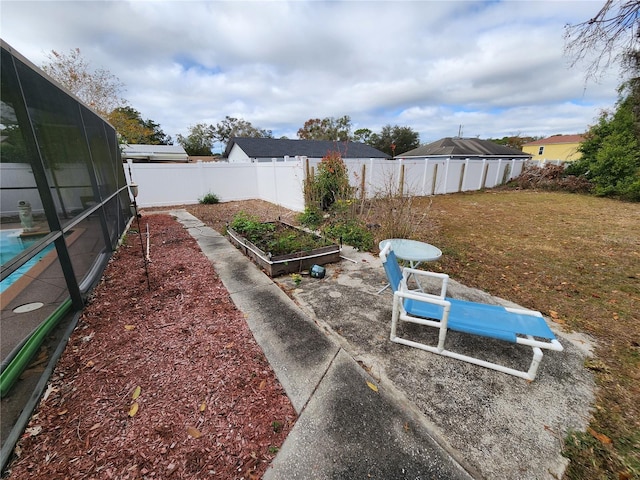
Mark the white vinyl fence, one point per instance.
(281, 182)
(278, 182)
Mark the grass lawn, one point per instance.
(576, 258)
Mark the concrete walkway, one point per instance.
(427, 416)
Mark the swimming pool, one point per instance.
(11, 244)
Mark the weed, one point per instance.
(209, 199)
(297, 279)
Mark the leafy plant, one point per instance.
(250, 226)
(311, 217)
(276, 239)
(352, 232)
(611, 150)
(209, 199)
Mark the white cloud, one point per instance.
(496, 68)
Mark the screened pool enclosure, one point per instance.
(64, 204)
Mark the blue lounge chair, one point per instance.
(525, 327)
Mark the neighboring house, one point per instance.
(463, 148)
(244, 149)
(154, 153)
(557, 147)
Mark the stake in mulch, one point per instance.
(134, 192)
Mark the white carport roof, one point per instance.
(155, 153)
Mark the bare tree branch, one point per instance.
(613, 35)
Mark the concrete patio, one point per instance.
(471, 421)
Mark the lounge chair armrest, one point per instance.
(423, 297)
(443, 277)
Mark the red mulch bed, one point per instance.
(174, 347)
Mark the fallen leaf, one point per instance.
(129, 327)
(90, 364)
(553, 314)
(50, 389)
(62, 412)
(33, 431)
(263, 384)
(194, 432)
(203, 406)
(600, 436)
(95, 426)
(136, 392)
(372, 386)
(134, 409)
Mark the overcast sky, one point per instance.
(491, 69)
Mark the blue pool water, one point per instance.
(11, 245)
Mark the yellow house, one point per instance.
(557, 147)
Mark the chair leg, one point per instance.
(530, 374)
(394, 317)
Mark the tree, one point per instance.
(362, 135)
(395, 140)
(236, 127)
(199, 141)
(328, 128)
(131, 127)
(97, 88)
(514, 141)
(611, 152)
(614, 34)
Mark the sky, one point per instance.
(480, 69)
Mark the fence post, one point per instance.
(401, 179)
(275, 180)
(446, 173)
(203, 182)
(485, 172)
(434, 181)
(463, 170)
(507, 173)
(363, 195)
(498, 172)
(424, 176)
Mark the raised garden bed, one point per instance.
(281, 248)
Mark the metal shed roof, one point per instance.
(155, 153)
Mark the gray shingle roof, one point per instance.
(278, 147)
(454, 146)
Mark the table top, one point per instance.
(412, 250)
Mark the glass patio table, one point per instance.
(411, 251)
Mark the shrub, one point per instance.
(311, 217)
(330, 183)
(352, 232)
(209, 199)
